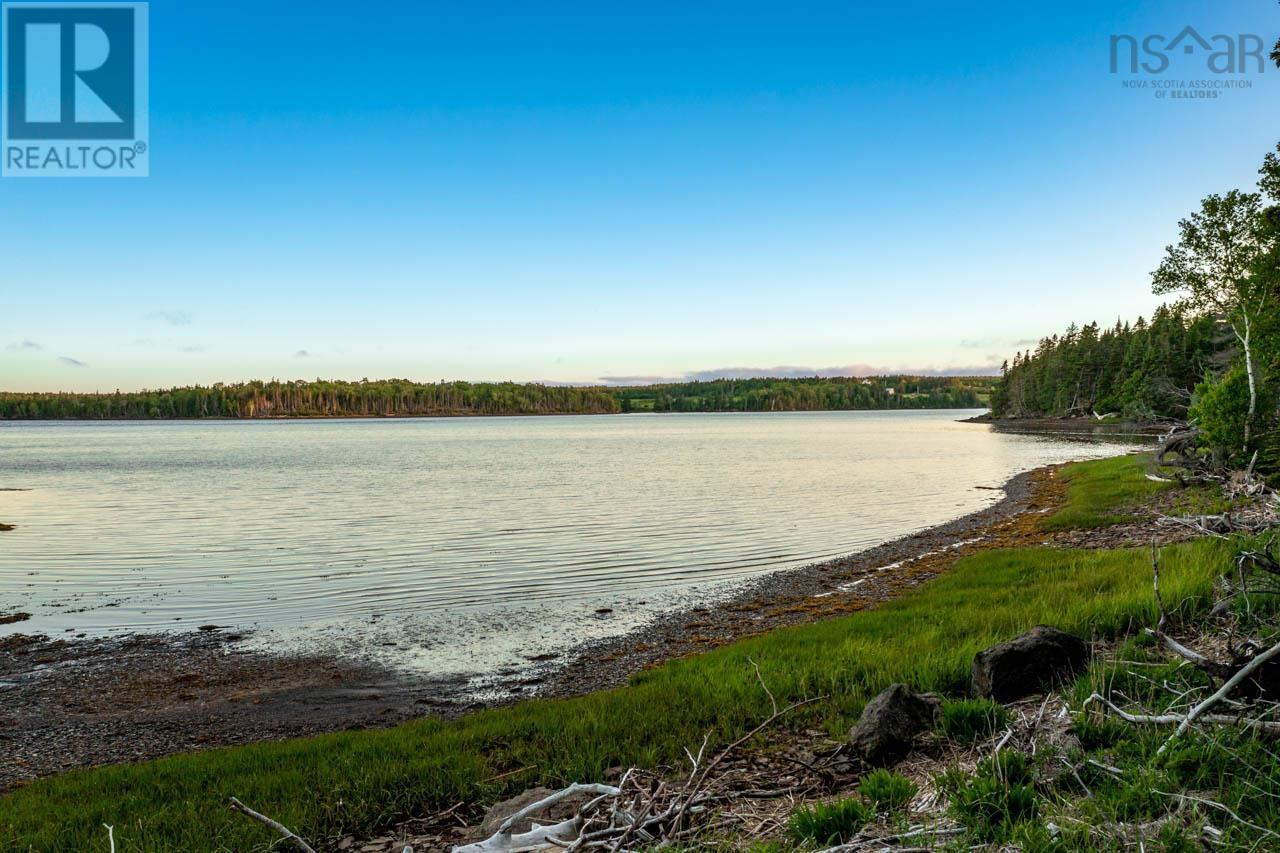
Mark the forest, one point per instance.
(1209, 359)
(403, 398)
(810, 394)
(1142, 370)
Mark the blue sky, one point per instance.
(582, 191)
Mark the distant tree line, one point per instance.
(321, 398)
(811, 394)
(401, 398)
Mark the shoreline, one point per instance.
(79, 703)
(818, 591)
(1069, 425)
(466, 415)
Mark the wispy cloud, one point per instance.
(72, 362)
(1024, 342)
(302, 354)
(639, 380)
(799, 372)
(173, 318)
(194, 348)
(25, 345)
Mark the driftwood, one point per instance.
(919, 833)
(1251, 521)
(1262, 559)
(1179, 439)
(1221, 693)
(284, 831)
(1212, 667)
(1187, 798)
(1246, 663)
(643, 810)
(1233, 720)
(559, 835)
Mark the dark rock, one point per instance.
(890, 722)
(555, 813)
(1038, 660)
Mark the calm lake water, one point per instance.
(467, 542)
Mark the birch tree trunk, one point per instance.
(1248, 368)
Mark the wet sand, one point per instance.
(77, 703)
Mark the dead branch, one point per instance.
(1259, 515)
(1218, 670)
(547, 802)
(283, 830)
(1272, 726)
(1262, 559)
(679, 819)
(884, 842)
(1222, 524)
(1221, 693)
(760, 678)
(562, 834)
(1220, 807)
(643, 810)
(1179, 439)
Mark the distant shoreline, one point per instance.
(476, 415)
(402, 398)
(1078, 425)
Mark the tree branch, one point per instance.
(284, 831)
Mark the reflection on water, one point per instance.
(367, 528)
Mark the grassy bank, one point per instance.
(359, 782)
(1099, 492)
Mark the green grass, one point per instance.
(886, 790)
(970, 720)
(365, 781)
(834, 822)
(997, 798)
(1099, 492)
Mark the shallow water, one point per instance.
(469, 543)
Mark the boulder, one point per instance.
(1039, 660)
(555, 813)
(889, 724)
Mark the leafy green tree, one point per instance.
(1221, 409)
(1213, 265)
